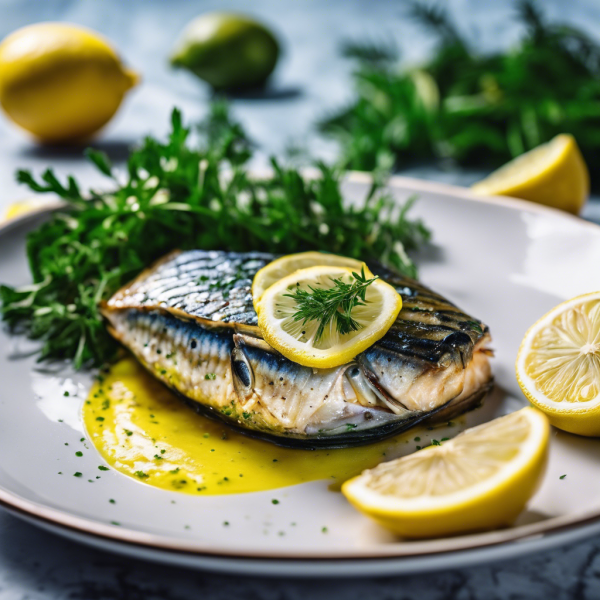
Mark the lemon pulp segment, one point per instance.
(558, 366)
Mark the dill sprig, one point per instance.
(181, 193)
(332, 304)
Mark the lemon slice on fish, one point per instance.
(558, 365)
(299, 339)
(481, 479)
(281, 267)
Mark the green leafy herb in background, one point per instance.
(473, 109)
(179, 195)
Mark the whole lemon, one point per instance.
(227, 50)
(61, 82)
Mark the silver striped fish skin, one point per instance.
(190, 320)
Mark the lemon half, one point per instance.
(558, 365)
(481, 479)
(298, 341)
(282, 267)
(553, 174)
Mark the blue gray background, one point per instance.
(310, 81)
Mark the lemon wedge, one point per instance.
(553, 174)
(481, 479)
(281, 267)
(298, 340)
(558, 365)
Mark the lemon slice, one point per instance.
(479, 480)
(558, 365)
(298, 341)
(280, 268)
(553, 174)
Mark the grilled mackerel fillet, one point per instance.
(190, 321)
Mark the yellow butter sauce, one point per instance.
(144, 431)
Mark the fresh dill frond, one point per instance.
(332, 304)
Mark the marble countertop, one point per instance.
(311, 79)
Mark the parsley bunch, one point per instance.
(183, 194)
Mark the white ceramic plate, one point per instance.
(505, 261)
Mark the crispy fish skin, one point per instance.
(190, 320)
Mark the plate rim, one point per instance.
(547, 533)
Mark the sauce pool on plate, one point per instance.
(144, 431)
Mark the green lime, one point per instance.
(227, 50)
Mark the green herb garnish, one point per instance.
(467, 106)
(332, 304)
(210, 376)
(174, 196)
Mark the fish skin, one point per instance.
(210, 285)
(203, 298)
